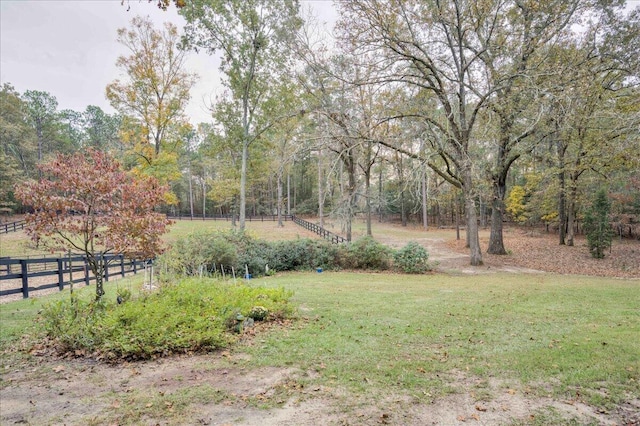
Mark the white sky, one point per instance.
(69, 49)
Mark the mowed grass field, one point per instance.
(372, 335)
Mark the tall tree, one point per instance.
(155, 88)
(252, 37)
(102, 129)
(428, 46)
(18, 143)
(43, 116)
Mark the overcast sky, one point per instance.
(69, 49)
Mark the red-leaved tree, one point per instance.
(86, 202)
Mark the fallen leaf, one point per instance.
(476, 417)
(462, 418)
(481, 407)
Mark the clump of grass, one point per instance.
(192, 315)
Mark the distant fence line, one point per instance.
(328, 235)
(5, 228)
(228, 217)
(63, 268)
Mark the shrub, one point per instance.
(412, 259)
(366, 253)
(208, 250)
(303, 254)
(234, 249)
(191, 315)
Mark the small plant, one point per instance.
(597, 226)
(123, 295)
(412, 259)
(259, 313)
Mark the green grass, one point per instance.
(264, 230)
(374, 333)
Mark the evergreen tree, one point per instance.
(597, 227)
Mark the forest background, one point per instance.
(441, 113)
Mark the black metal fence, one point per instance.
(5, 228)
(328, 235)
(63, 268)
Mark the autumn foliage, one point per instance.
(85, 202)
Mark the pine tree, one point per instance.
(597, 226)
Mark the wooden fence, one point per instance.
(63, 268)
(328, 235)
(5, 228)
(227, 217)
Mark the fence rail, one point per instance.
(5, 228)
(228, 218)
(62, 268)
(328, 235)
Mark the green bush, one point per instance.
(240, 251)
(191, 315)
(366, 253)
(200, 250)
(303, 254)
(412, 259)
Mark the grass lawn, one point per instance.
(17, 244)
(374, 333)
(371, 335)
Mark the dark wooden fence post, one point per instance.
(122, 265)
(87, 280)
(135, 266)
(25, 278)
(105, 265)
(60, 274)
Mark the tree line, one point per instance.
(436, 112)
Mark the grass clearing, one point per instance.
(379, 333)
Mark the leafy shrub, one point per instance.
(412, 259)
(303, 254)
(240, 250)
(366, 253)
(208, 250)
(191, 315)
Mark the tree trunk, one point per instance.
(496, 242)
(562, 211)
(288, 193)
(472, 230)
(97, 266)
(320, 191)
(204, 197)
(425, 219)
(243, 184)
(571, 214)
(280, 203)
(190, 191)
(367, 183)
(380, 195)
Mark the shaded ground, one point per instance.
(531, 249)
(220, 389)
